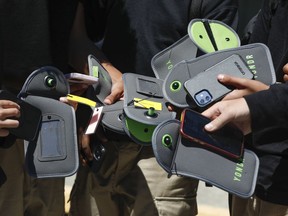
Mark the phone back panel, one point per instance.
(204, 88)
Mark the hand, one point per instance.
(117, 90)
(78, 88)
(229, 111)
(285, 70)
(86, 154)
(243, 86)
(8, 109)
(74, 104)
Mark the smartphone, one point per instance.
(205, 88)
(29, 120)
(81, 78)
(227, 140)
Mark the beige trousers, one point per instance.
(23, 195)
(254, 206)
(131, 182)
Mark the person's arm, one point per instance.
(269, 108)
(254, 112)
(81, 46)
(234, 111)
(242, 86)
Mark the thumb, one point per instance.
(217, 123)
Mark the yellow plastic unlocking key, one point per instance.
(138, 102)
(82, 100)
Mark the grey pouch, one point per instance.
(178, 156)
(204, 36)
(204, 88)
(140, 120)
(256, 56)
(163, 62)
(111, 118)
(55, 151)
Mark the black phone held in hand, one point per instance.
(29, 120)
(227, 140)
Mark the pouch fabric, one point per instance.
(140, 122)
(54, 153)
(185, 158)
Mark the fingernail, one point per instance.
(209, 127)
(220, 77)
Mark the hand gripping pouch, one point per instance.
(178, 156)
(111, 118)
(54, 153)
(144, 107)
(256, 56)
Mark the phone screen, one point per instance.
(228, 140)
(81, 78)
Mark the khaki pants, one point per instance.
(254, 206)
(131, 182)
(23, 195)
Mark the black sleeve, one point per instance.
(95, 17)
(224, 10)
(269, 108)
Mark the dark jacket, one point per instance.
(135, 30)
(271, 142)
(33, 34)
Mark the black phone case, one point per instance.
(29, 120)
(205, 88)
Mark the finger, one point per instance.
(285, 68)
(74, 104)
(212, 112)
(9, 112)
(9, 123)
(236, 82)
(116, 93)
(217, 123)
(85, 147)
(242, 83)
(236, 94)
(113, 97)
(285, 77)
(8, 104)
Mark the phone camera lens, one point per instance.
(203, 97)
